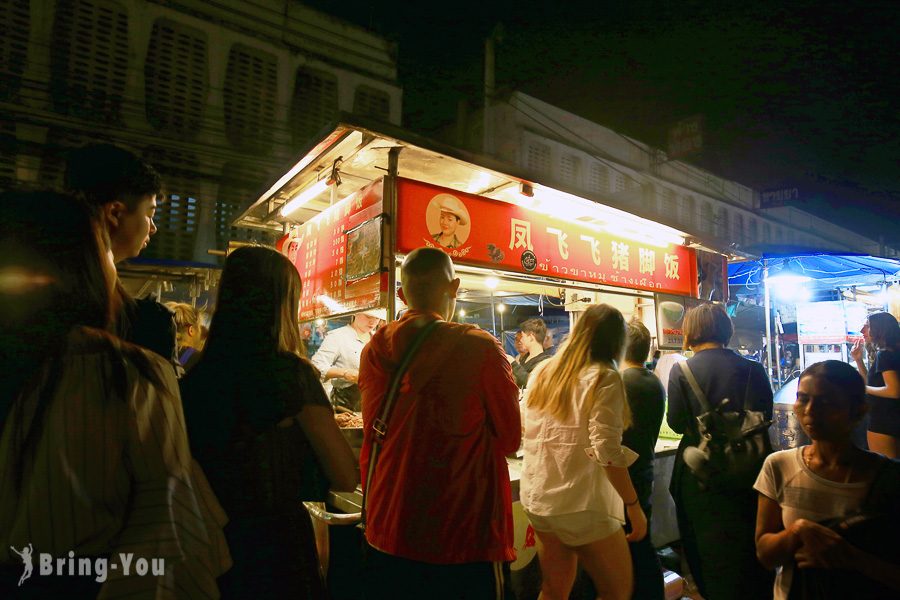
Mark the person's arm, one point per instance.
(775, 545)
(327, 355)
(857, 354)
(501, 396)
(891, 388)
(621, 481)
(825, 549)
(679, 410)
(605, 427)
(331, 448)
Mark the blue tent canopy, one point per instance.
(823, 269)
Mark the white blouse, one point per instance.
(562, 468)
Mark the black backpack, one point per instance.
(733, 444)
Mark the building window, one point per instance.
(8, 151)
(618, 182)
(16, 17)
(739, 228)
(314, 104)
(706, 218)
(669, 204)
(238, 188)
(754, 232)
(599, 178)
(688, 211)
(570, 170)
(89, 59)
(723, 225)
(370, 102)
(251, 94)
(538, 158)
(175, 78)
(178, 212)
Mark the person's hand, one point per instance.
(857, 351)
(820, 547)
(638, 521)
(351, 376)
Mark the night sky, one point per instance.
(803, 96)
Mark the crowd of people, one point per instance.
(124, 432)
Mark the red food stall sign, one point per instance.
(502, 236)
(319, 250)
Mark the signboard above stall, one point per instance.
(506, 237)
(338, 255)
(830, 322)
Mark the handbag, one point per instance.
(733, 444)
(379, 426)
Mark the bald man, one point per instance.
(439, 509)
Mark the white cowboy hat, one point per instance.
(452, 205)
(376, 313)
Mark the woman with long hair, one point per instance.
(883, 382)
(575, 470)
(260, 424)
(803, 488)
(715, 518)
(94, 458)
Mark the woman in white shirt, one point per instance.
(575, 469)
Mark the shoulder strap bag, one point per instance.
(733, 444)
(379, 426)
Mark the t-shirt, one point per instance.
(884, 413)
(647, 399)
(802, 494)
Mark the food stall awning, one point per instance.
(823, 270)
(355, 152)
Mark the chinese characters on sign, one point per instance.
(505, 236)
(318, 249)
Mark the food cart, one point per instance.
(355, 204)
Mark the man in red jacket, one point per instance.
(439, 514)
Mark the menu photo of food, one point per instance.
(364, 250)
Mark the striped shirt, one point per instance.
(112, 474)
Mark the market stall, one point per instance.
(825, 299)
(353, 206)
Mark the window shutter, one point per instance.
(16, 17)
(314, 104)
(176, 78)
(251, 92)
(369, 102)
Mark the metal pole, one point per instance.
(768, 303)
(778, 332)
(493, 316)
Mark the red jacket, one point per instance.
(441, 491)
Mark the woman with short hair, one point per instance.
(883, 382)
(716, 521)
(575, 469)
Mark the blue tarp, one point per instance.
(825, 270)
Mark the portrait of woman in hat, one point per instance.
(453, 221)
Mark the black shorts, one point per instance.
(884, 415)
(390, 577)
